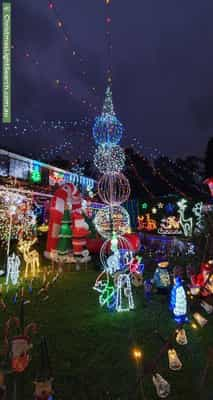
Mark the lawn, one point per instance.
(90, 348)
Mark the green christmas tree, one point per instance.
(92, 229)
(65, 234)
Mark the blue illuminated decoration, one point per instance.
(178, 302)
(107, 129)
(169, 208)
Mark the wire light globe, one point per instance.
(114, 189)
(107, 129)
(109, 159)
(112, 219)
(116, 258)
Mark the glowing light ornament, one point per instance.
(107, 129)
(178, 303)
(170, 226)
(36, 173)
(201, 321)
(112, 219)
(161, 385)
(106, 291)
(181, 337)
(31, 258)
(207, 307)
(113, 189)
(13, 269)
(209, 182)
(109, 159)
(185, 223)
(174, 362)
(116, 254)
(124, 297)
(198, 213)
(145, 223)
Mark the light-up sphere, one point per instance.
(114, 189)
(107, 129)
(112, 219)
(114, 260)
(109, 159)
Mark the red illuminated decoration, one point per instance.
(145, 223)
(209, 182)
(56, 178)
(170, 226)
(204, 279)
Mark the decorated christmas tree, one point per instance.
(91, 226)
(64, 243)
(178, 303)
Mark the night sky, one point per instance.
(162, 59)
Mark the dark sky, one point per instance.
(162, 68)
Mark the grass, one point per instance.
(90, 348)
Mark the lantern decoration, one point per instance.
(161, 385)
(113, 189)
(207, 307)
(201, 321)
(174, 362)
(178, 303)
(181, 337)
(112, 219)
(109, 159)
(107, 129)
(13, 269)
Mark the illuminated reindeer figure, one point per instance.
(31, 258)
(185, 223)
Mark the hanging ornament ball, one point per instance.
(116, 258)
(112, 219)
(107, 129)
(114, 189)
(109, 159)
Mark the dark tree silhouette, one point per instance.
(209, 159)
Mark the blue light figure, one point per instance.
(178, 302)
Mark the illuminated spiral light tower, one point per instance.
(109, 158)
(107, 129)
(113, 220)
(113, 189)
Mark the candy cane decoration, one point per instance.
(66, 194)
